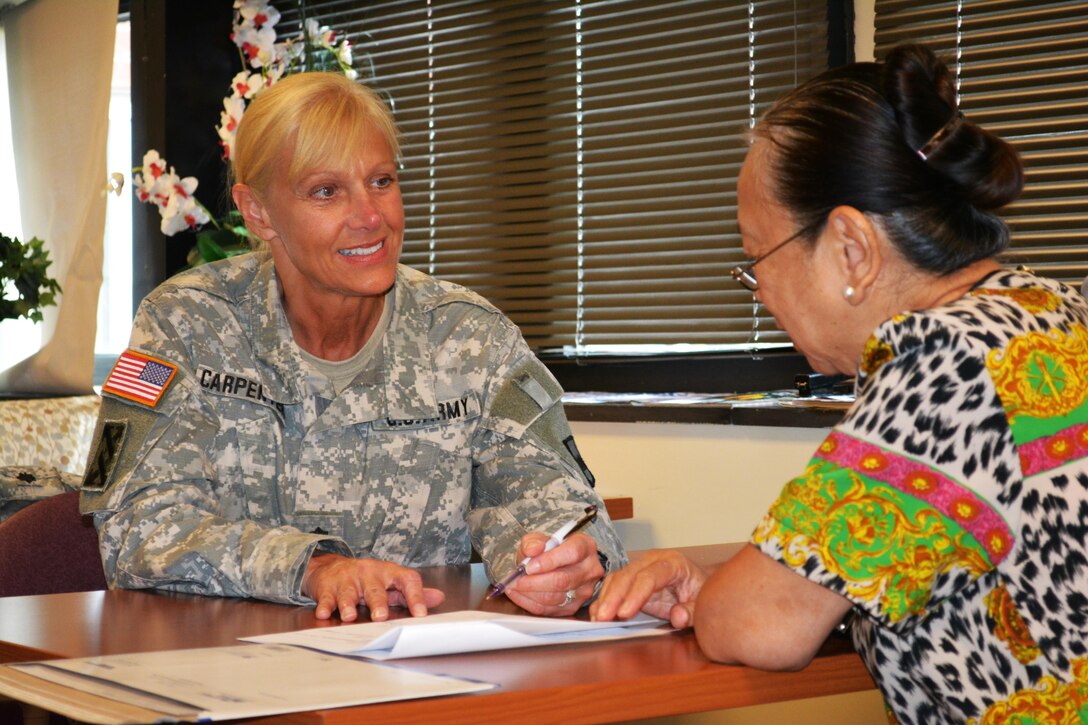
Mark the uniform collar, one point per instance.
(406, 379)
(284, 370)
(407, 353)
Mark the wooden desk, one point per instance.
(591, 682)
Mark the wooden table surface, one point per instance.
(588, 682)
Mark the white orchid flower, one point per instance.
(257, 13)
(184, 188)
(246, 84)
(233, 108)
(154, 184)
(319, 35)
(154, 164)
(153, 167)
(164, 189)
(256, 44)
(183, 212)
(343, 53)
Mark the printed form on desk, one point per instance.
(458, 632)
(290, 672)
(214, 683)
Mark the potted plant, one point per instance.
(23, 268)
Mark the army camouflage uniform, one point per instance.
(21, 486)
(453, 436)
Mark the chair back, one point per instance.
(49, 547)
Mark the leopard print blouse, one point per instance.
(951, 506)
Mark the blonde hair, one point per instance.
(319, 119)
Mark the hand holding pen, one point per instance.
(554, 540)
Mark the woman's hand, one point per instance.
(556, 582)
(661, 583)
(339, 582)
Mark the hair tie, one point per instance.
(938, 138)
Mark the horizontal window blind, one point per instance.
(576, 162)
(1023, 74)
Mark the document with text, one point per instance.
(457, 632)
(215, 683)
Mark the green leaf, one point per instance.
(25, 267)
(210, 250)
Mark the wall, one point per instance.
(693, 484)
(864, 29)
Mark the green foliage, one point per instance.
(25, 266)
(228, 239)
(317, 58)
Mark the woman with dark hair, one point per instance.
(946, 514)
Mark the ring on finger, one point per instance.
(568, 599)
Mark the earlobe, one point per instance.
(858, 251)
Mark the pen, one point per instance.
(553, 541)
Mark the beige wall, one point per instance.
(693, 484)
(864, 29)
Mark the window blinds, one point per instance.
(1023, 73)
(576, 162)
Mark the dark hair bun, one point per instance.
(922, 92)
(852, 136)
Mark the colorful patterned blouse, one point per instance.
(951, 506)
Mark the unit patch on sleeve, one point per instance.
(139, 378)
(104, 456)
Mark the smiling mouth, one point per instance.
(362, 251)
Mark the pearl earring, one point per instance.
(848, 293)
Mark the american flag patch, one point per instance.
(139, 378)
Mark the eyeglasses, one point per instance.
(743, 273)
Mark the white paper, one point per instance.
(167, 708)
(454, 632)
(253, 680)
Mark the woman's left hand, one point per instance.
(662, 583)
(557, 582)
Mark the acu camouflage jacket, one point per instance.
(241, 460)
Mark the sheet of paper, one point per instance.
(455, 632)
(248, 680)
(69, 682)
(82, 706)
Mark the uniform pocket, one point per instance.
(260, 453)
(330, 483)
(247, 454)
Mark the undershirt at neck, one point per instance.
(342, 372)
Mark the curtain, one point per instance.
(59, 59)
